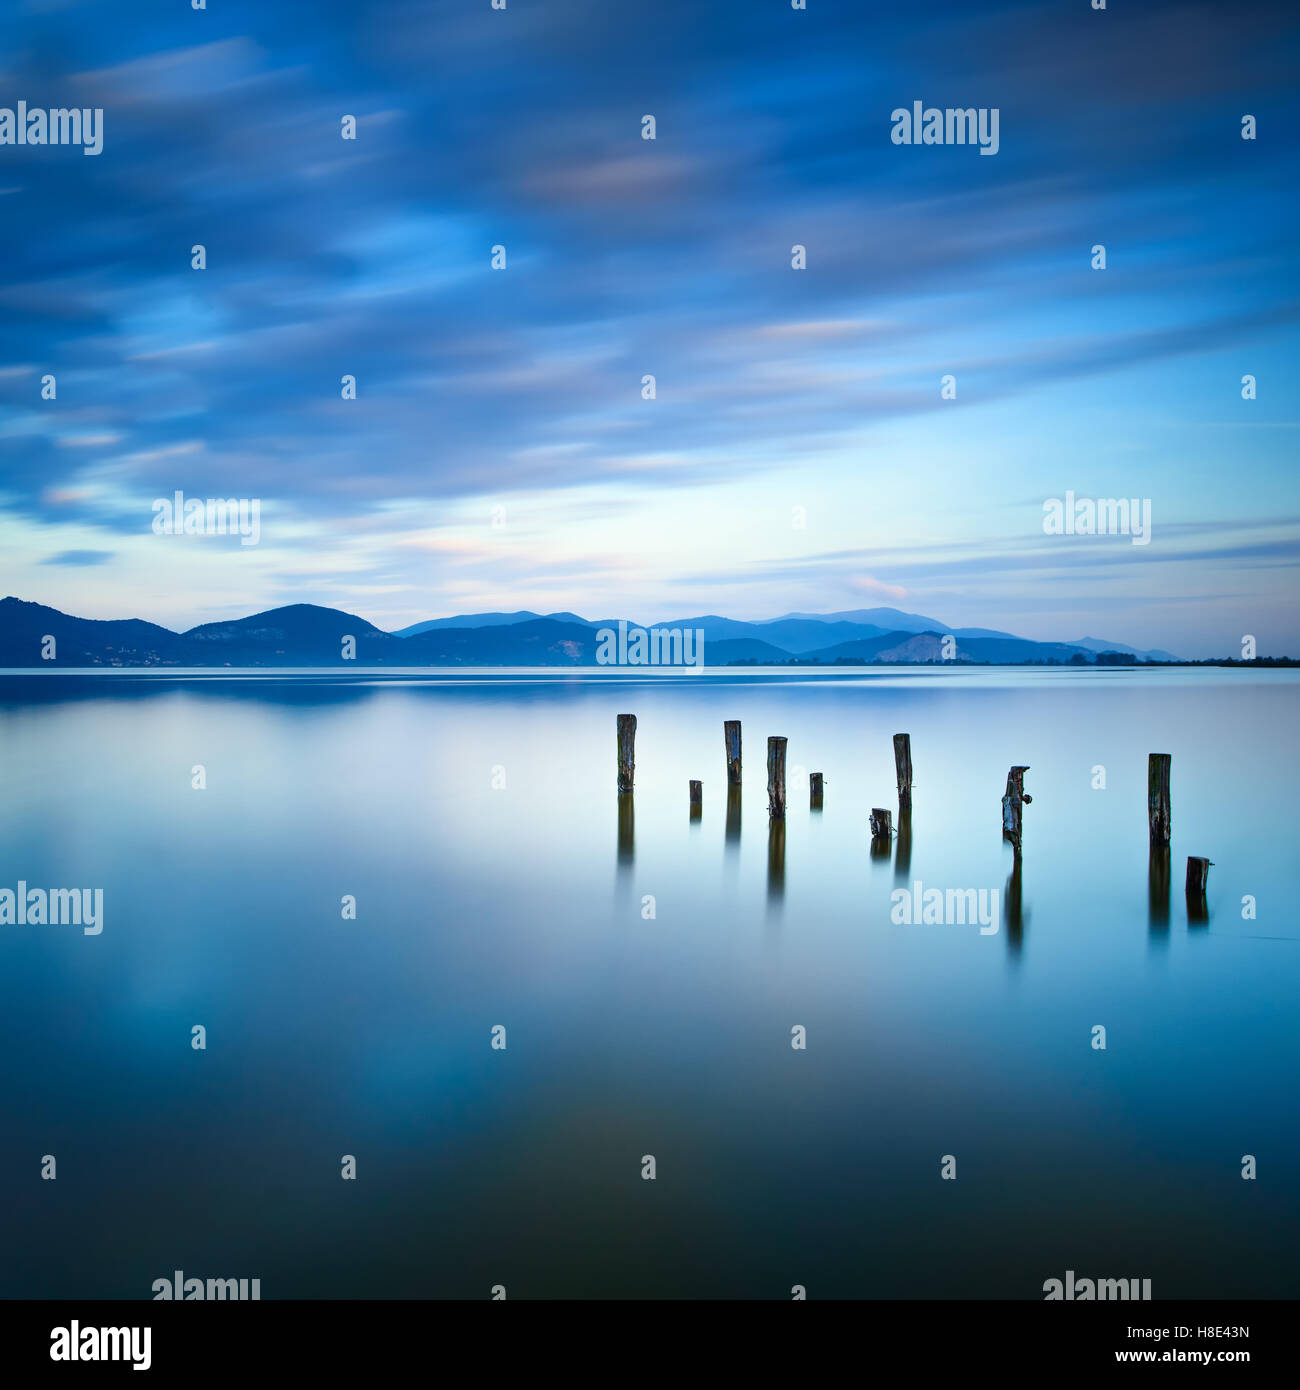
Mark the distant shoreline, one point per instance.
(616, 673)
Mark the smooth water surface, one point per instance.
(474, 818)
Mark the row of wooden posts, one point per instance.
(1014, 800)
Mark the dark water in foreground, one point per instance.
(522, 905)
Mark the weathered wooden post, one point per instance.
(1198, 878)
(1013, 800)
(1158, 797)
(731, 738)
(626, 828)
(903, 771)
(626, 751)
(733, 817)
(882, 832)
(814, 791)
(776, 777)
(697, 799)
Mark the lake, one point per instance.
(648, 972)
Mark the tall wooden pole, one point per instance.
(731, 737)
(1158, 811)
(776, 778)
(1014, 798)
(626, 751)
(903, 771)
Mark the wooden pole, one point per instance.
(903, 771)
(776, 777)
(626, 751)
(814, 791)
(1013, 800)
(1198, 877)
(697, 799)
(881, 832)
(731, 737)
(626, 828)
(733, 817)
(1158, 815)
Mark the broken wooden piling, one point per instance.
(1014, 800)
(1198, 874)
(1158, 813)
(1198, 877)
(882, 832)
(731, 738)
(697, 799)
(814, 791)
(903, 771)
(776, 777)
(732, 833)
(626, 751)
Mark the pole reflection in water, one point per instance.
(903, 850)
(1158, 889)
(626, 832)
(775, 860)
(733, 819)
(1013, 911)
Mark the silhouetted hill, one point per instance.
(731, 649)
(524, 615)
(298, 634)
(78, 641)
(882, 619)
(306, 634)
(540, 642)
(928, 646)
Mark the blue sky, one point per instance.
(783, 396)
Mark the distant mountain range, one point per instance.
(303, 634)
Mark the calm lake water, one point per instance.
(522, 905)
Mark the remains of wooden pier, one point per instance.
(776, 777)
(903, 772)
(626, 751)
(1198, 877)
(1014, 800)
(1158, 820)
(882, 832)
(731, 738)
